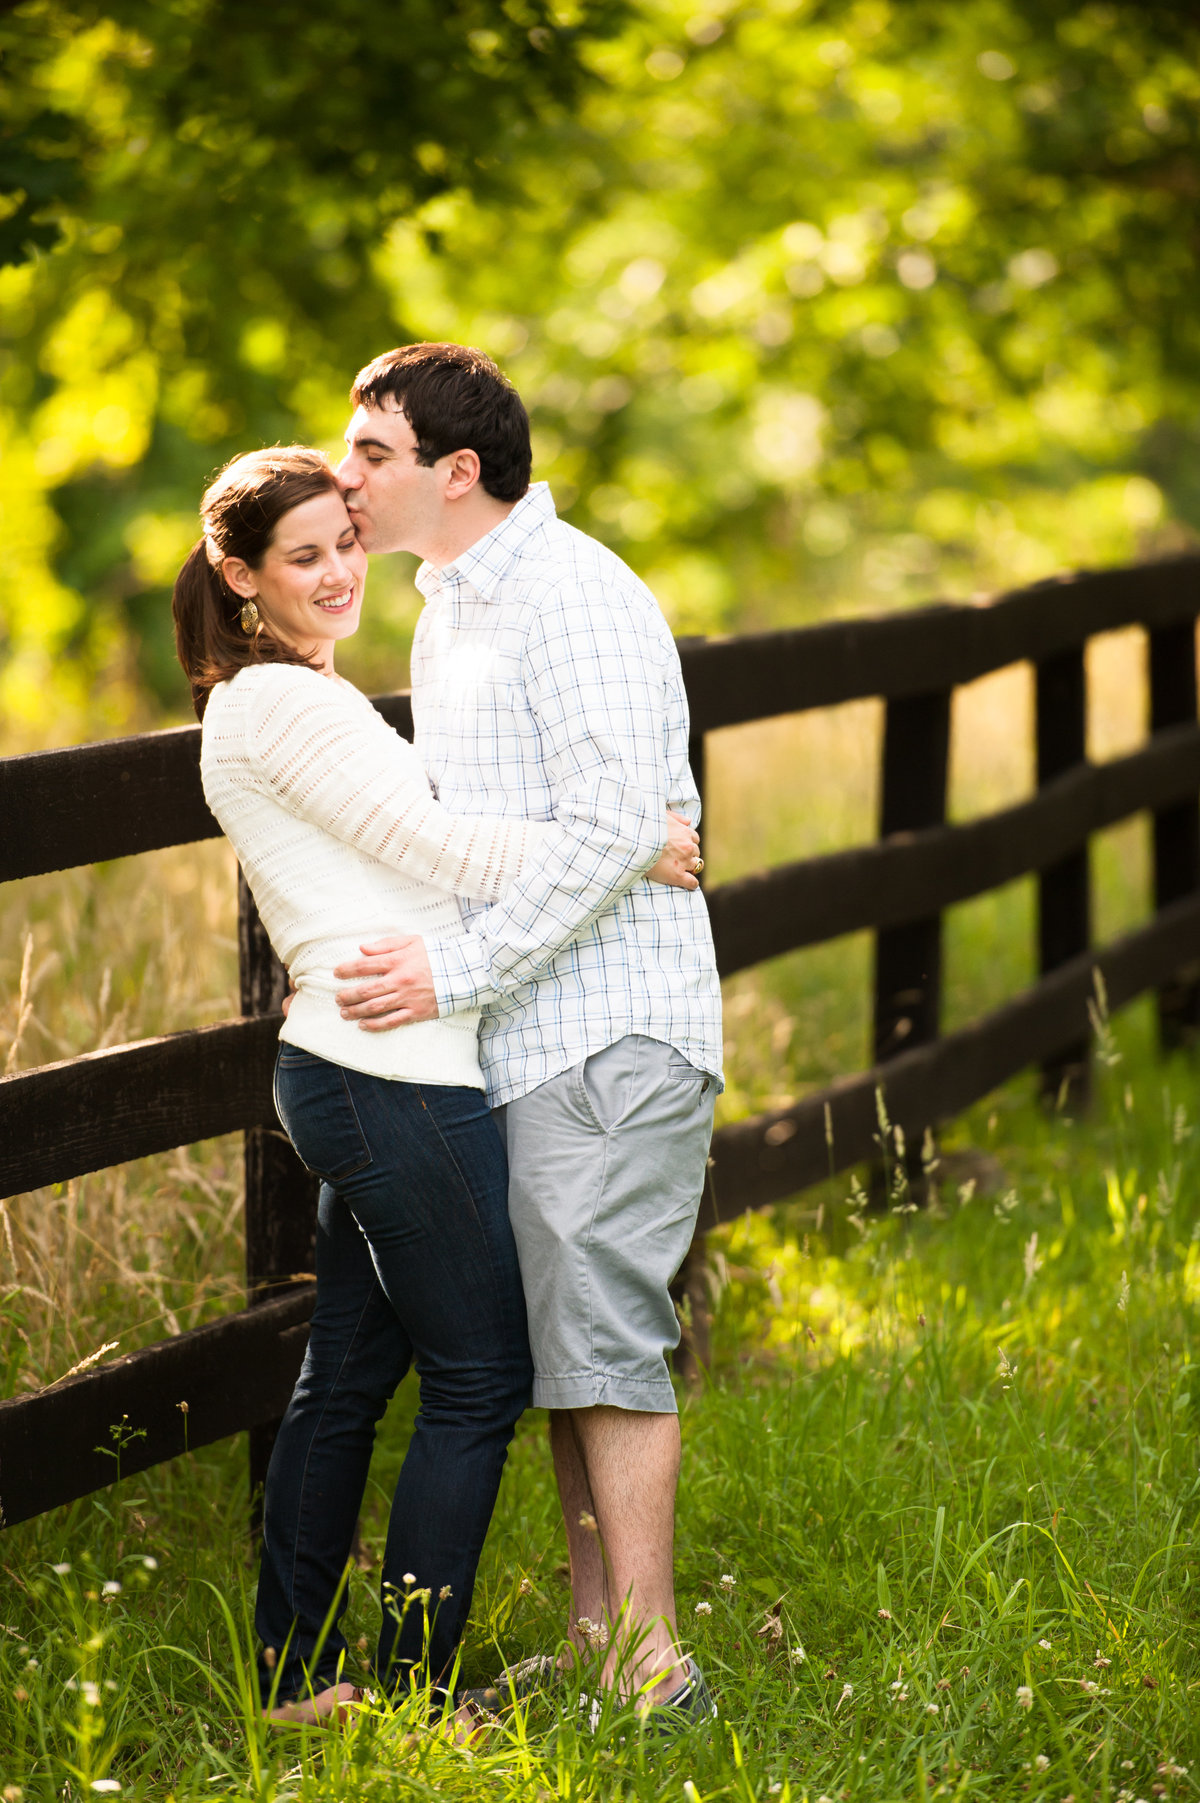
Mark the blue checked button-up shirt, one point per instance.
(546, 683)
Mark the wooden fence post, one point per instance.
(281, 1196)
(908, 958)
(1172, 656)
(1064, 891)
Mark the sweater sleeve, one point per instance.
(329, 761)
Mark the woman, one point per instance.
(341, 840)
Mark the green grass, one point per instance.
(942, 1456)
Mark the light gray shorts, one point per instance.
(606, 1171)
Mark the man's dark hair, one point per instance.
(455, 399)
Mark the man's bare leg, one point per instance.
(621, 1466)
(589, 1586)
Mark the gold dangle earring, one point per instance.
(249, 618)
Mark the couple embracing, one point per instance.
(503, 1049)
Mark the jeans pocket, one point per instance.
(313, 1100)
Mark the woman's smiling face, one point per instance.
(309, 586)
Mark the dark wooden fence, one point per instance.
(65, 808)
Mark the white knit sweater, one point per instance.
(342, 843)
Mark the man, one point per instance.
(546, 682)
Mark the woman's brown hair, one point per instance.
(241, 508)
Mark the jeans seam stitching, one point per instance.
(320, 1422)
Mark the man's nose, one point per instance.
(347, 479)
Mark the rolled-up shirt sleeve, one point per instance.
(596, 683)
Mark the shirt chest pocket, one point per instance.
(482, 706)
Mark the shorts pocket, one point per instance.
(681, 1071)
(313, 1100)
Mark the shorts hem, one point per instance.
(604, 1389)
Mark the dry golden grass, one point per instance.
(94, 958)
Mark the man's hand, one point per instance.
(679, 860)
(393, 985)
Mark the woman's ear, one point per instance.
(239, 577)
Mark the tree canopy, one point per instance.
(816, 303)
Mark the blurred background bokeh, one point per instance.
(818, 305)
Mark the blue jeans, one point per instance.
(416, 1264)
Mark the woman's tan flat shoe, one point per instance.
(331, 1708)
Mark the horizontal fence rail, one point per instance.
(910, 875)
(94, 803)
(185, 1392)
(732, 681)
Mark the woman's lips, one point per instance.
(335, 604)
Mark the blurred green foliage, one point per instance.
(816, 303)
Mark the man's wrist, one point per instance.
(460, 975)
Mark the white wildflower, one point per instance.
(91, 1693)
(60, 1571)
(703, 1608)
(797, 1655)
(110, 1587)
(1045, 1645)
(932, 1709)
(1041, 1762)
(847, 1693)
(149, 1562)
(727, 1580)
(1024, 1696)
(1100, 1660)
(1090, 1686)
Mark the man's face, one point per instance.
(395, 502)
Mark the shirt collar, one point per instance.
(484, 563)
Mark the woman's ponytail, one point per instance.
(202, 606)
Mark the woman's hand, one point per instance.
(677, 865)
